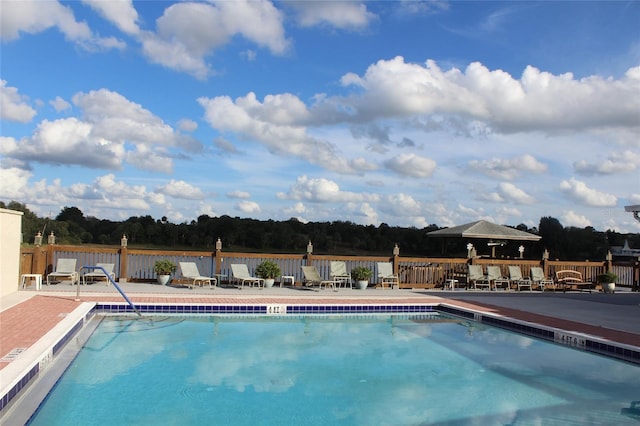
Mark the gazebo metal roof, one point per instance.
(486, 230)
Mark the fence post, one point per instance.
(396, 260)
(309, 253)
(218, 255)
(123, 260)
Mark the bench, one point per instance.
(570, 279)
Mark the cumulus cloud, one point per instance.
(512, 193)
(621, 162)
(323, 190)
(102, 138)
(508, 168)
(343, 15)
(13, 105)
(181, 189)
(580, 192)
(60, 104)
(238, 194)
(249, 207)
(33, 16)
(121, 13)
(537, 101)
(187, 125)
(411, 165)
(272, 123)
(571, 218)
(189, 32)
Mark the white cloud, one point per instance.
(621, 162)
(121, 13)
(60, 104)
(508, 168)
(33, 16)
(580, 192)
(538, 101)
(189, 32)
(15, 182)
(13, 106)
(238, 194)
(412, 165)
(509, 192)
(187, 125)
(343, 15)
(571, 218)
(270, 123)
(249, 207)
(323, 190)
(181, 189)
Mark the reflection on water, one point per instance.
(323, 370)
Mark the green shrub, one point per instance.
(268, 269)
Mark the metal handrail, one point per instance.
(114, 284)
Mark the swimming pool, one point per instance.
(369, 369)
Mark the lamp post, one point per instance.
(123, 241)
(309, 248)
(521, 250)
(51, 239)
(37, 240)
(218, 244)
(469, 250)
(396, 250)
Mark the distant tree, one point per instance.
(552, 233)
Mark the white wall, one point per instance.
(10, 232)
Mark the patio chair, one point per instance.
(65, 268)
(515, 277)
(476, 278)
(494, 276)
(241, 274)
(98, 273)
(190, 271)
(312, 278)
(538, 278)
(339, 274)
(386, 275)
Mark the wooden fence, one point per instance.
(136, 265)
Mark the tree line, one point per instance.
(71, 226)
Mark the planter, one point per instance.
(269, 282)
(163, 279)
(361, 284)
(609, 287)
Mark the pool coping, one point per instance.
(21, 372)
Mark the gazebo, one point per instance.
(482, 229)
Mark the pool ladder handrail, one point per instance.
(135, 309)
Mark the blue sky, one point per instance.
(408, 113)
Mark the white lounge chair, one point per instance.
(537, 277)
(339, 274)
(494, 276)
(241, 274)
(65, 268)
(190, 271)
(386, 275)
(312, 278)
(476, 278)
(515, 277)
(99, 273)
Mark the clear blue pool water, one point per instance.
(344, 370)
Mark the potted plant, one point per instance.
(163, 269)
(361, 275)
(608, 281)
(269, 270)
